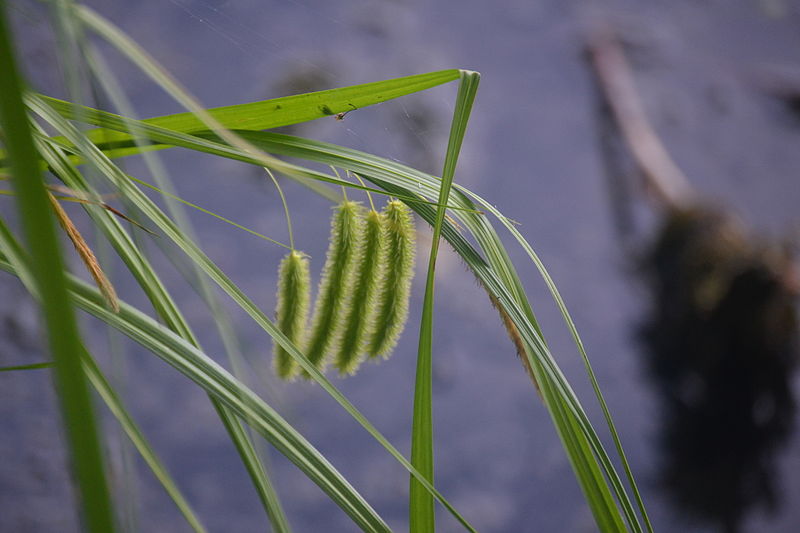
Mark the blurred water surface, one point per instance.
(531, 149)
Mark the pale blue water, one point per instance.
(537, 160)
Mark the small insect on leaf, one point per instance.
(340, 116)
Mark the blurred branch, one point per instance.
(663, 178)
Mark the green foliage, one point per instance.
(46, 280)
(344, 323)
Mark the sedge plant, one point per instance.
(360, 309)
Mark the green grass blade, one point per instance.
(285, 111)
(32, 366)
(48, 274)
(581, 349)
(114, 403)
(421, 510)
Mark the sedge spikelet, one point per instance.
(291, 312)
(335, 286)
(86, 254)
(359, 320)
(391, 310)
(516, 338)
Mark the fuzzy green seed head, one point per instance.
(291, 313)
(360, 317)
(336, 283)
(391, 308)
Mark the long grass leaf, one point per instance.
(581, 349)
(48, 274)
(421, 510)
(115, 405)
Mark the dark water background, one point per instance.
(531, 149)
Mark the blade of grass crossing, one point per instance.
(421, 509)
(48, 273)
(114, 403)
